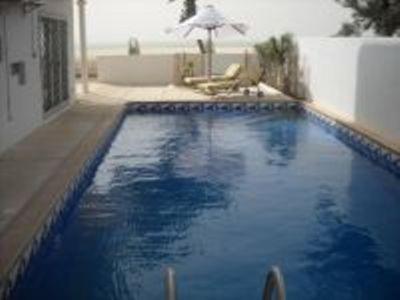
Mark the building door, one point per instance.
(54, 61)
(3, 78)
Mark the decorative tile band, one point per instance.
(57, 219)
(159, 107)
(359, 142)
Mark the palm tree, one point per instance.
(189, 9)
(274, 56)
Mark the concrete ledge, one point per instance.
(53, 155)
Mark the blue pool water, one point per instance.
(221, 197)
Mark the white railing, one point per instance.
(170, 285)
(274, 285)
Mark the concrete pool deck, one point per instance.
(117, 94)
(35, 173)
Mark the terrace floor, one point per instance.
(114, 94)
(34, 173)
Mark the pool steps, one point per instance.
(274, 282)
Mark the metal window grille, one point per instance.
(54, 61)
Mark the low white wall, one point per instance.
(356, 78)
(162, 69)
(222, 61)
(141, 70)
(21, 38)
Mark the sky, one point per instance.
(113, 22)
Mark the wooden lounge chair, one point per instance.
(233, 85)
(213, 88)
(231, 73)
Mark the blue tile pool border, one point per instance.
(229, 106)
(358, 141)
(367, 146)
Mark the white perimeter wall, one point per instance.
(21, 39)
(163, 69)
(356, 78)
(141, 70)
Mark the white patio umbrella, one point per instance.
(211, 20)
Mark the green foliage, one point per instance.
(275, 50)
(278, 60)
(189, 9)
(349, 29)
(381, 16)
(133, 47)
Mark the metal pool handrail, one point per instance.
(170, 285)
(274, 282)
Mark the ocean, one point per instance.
(165, 48)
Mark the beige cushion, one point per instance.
(198, 80)
(233, 71)
(213, 88)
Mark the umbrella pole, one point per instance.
(209, 54)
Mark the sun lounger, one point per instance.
(213, 88)
(231, 73)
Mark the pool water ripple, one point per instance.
(221, 197)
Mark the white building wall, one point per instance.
(356, 78)
(2, 86)
(22, 102)
(21, 105)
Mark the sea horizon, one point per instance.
(165, 47)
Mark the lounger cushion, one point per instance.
(212, 88)
(198, 80)
(231, 73)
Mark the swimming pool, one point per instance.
(221, 196)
